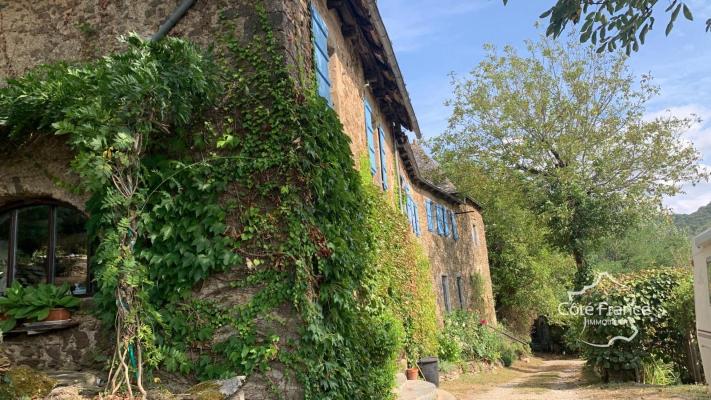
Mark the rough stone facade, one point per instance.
(32, 33)
(452, 258)
(84, 347)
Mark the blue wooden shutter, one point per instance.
(319, 33)
(440, 219)
(447, 222)
(455, 233)
(428, 210)
(369, 137)
(415, 219)
(383, 161)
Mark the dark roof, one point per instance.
(362, 25)
(419, 166)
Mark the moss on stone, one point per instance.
(208, 390)
(25, 382)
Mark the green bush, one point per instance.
(657, 372)
(449, 347)
(659, 344)
(466, 338)
(508, 355)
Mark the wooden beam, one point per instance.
(334, 3)
(348, 31)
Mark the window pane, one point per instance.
(32, 242)
(4, 248)
(70, 255)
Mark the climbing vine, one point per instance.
(214, 170)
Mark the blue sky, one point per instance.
(435, 37)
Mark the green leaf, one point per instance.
(687, 13)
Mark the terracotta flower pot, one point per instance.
(58, 314)
(411, 374)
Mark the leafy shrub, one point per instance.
(508, 355)
(657, 372)
(661, 337)
(449, 347)
(466, 337)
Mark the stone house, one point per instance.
(356, 71)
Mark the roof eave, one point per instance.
(392, 60)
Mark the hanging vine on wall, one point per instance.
(206, 164)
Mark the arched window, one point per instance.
(42, 241)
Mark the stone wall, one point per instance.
(40, 170)
(43, 31)
(78, 348)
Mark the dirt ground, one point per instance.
(552, 378)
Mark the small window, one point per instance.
(445, 293)
(460, 292)
(475, 235)
(44, 243)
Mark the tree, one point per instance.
(529, 277)
(568, 124)
(654, 242)
(612, 24)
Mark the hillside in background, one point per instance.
(695, 222)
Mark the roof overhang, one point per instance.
(413, 171)
(363, 25)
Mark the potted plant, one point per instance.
(44, 302)
(413, 354)
(47, 302)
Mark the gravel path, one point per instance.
(559, 379)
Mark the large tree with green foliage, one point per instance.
(612, 24)
(568, 125)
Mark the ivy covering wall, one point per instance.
(203, 164)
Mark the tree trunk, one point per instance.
(583, 274)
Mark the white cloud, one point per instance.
(690, 201)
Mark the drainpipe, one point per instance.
(172, 20)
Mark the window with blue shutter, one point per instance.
(455, 231)
(415, 220)
(319, 33)
(446, 218)
(383, 169)
(445, 293)
(430, 217)
(440, 219)
(369, 137)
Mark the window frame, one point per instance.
(50, 268)
(445, 293)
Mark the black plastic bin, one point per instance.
(430, 369)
